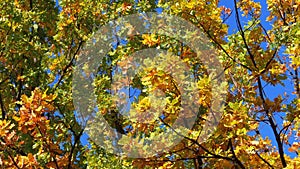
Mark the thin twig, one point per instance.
(264, 160)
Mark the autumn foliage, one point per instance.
(257, 43)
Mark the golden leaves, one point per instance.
(5, 126)
(205, 91)
(250, 7)
(227, 11)
(60, 162)
(126, 7)
(295, 61)
(280, 11)
(295, 147)
(166, 165)
(150, 39)
(22, 161)
(31, 112)
(245, 109)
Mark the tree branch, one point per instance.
(272, 123)
(234, 155)
(2, 107)
(64, 71)
(264, 160)
(195, 142)
(243, 34)
(77, 138)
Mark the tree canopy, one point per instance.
(224, 94)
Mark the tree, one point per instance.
(42, 43)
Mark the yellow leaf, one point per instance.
(255, 142)
(295, 60)
(150, 39)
